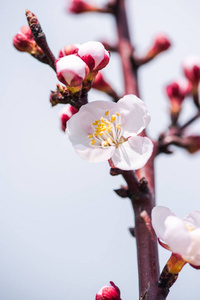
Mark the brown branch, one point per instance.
(40, 38)
(148, 266)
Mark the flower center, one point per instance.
(189, 227)
(107, 131)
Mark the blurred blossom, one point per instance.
(182, 237)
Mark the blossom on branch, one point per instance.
(111, 292)
(71, 70)
(23, 41)
(104, 130)
(182, 237)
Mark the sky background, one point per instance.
(63, 231)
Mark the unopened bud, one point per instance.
(102, 85)
(69, 49)
(161, 43)
(176, 92)
(191, 67)
(66, 113)
(109, 293)
(79, 6)
(24, 41)
(94, 55)
(71, 70)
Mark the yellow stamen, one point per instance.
(189, 227)
(92, 142)
(118, 126)
(112, 119)
(90, 136)
(107, 113)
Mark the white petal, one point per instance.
(92, 154)
(176, 235)
(193, 219)
(159, 215)
(133, 154)
(79, 126)
(95, 49)
(70, 65)
(193, 255)
(134, 115)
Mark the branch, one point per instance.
(40, 38)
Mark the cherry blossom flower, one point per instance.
(182, 237)
(107, 292)
(104, 130)
(71, 70)
(94, 55)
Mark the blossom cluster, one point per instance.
(78, 65)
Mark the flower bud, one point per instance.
(191, 67)
(176, 92)
(79, 6)
(161, 43)
(102, 85)
(69, 49)
(24, 41)
(71, 70)
(109, 293)
(94, 55)
(66, 113)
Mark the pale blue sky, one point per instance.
(63, 231)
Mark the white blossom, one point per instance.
(181, 236)
(102, 130)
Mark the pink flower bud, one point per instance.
(176, 92)
(24, 41)
(71, 70)
(191, 67)
(161, 43)
(66, 113)
(94, 55)
(79, 6)
(109, 293)
(69, 49)
(178, 89)
(102, 85)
